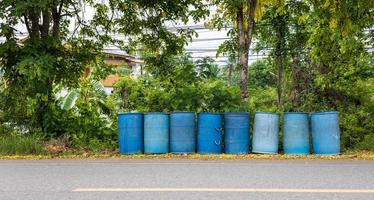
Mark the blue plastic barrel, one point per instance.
(130, 133)
(325, 133)
(156, 133)
(265, 133)
(296, 133)
(182, 132)
(209, 133)
(236, 133)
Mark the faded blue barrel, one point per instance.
(265, 133)
(182, 132)
(209, 133)
(325, 133)
(296, 133)
(130, 133)
(236, 133)
(156, 133)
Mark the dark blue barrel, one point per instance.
(265, 133)
(325, 133)
(296, 133)
(209, 133)
(156, 133)
(236, 133)
(130, 133)
(182, 132)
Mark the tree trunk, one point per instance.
(243, 55)
(34, 18)
(56, 16)
(125, 99)
(141, 70)
(251, 19)
(245, 34)
(230, 74)
(45, 26)
(279, 54)
(279, 62)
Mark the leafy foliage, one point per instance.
(262, 74)
(186, 88)
(48, 58)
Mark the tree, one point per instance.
(284, 32)
(343, 64)
(49, 57)
(53, 57)
(326, 65)
(338, 46)
(240, 16)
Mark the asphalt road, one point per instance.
(186, 179)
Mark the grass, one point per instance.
(21, 145)
(32, 147)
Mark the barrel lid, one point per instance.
(269, 113)
(325, 113)
(130, 113)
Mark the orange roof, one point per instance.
(110, 80)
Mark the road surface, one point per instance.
(186, 179)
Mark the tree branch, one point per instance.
(60, 7)
(56, 17)
(34, 17)
(251, 21)
(27, 24)
(46, 23)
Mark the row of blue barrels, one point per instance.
(159, 133)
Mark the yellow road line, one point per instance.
(248, 190)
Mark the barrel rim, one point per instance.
(270, 113)
(210, 113)
(236, 113)
(295, 113)
(324, 113)
(155, 113)
(130, 113)
(186, 112)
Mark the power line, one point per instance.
(209, 39)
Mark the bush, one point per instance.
(151, 94)
(91, 122)
(367, 143)
(86, 116)
(261, 74)
(263, 99)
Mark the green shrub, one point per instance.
(17, 144)
(151, 94)
(367, 143)
(262, 99)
